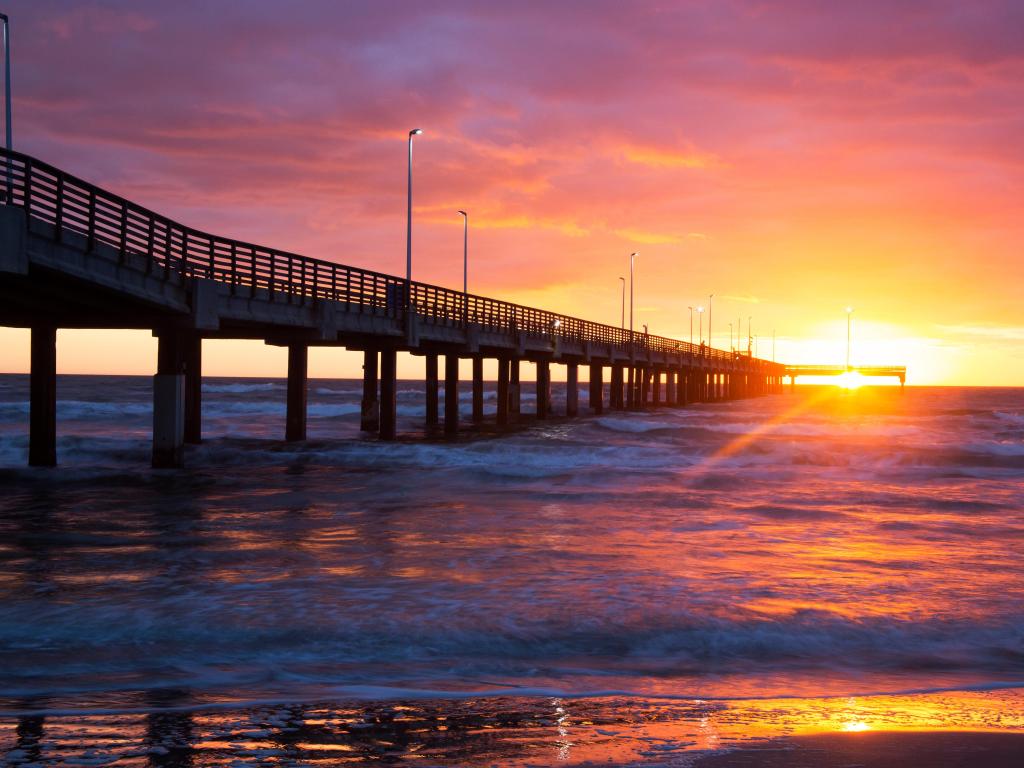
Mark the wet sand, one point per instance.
(878, 750)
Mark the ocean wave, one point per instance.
(240, 389)
(201, 645)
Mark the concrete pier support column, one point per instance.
(169, 403)
(369, 419)
(295, 418)
(615, 399)
(646, 378)
(631, 387)
(503, 404)
(514, 390)
(193, 389)
(543, 389)
(656, 387)
(451, 394)
(42, 440)
(683, 388)
(478, 390)
(388, 394)
(596, 399)
(572, 389)
(431, 387)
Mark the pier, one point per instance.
(75, 256)
(895, 371)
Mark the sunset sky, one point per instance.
(792, 158)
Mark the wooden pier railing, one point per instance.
(180, 252)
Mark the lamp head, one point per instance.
(634, 253)
(849, 310)
(700, 309)
(464, 214)
(415, 132)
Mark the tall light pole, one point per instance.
(632, 259)
(622, 320)
(691, 325)
(7, 77)
(773, 345)
(465, 252)
(849, 314)
(7, 100)
(408, 219)
(731, 347)
(750, 334)
(700, 315)
(710, 297)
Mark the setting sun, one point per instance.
(850, 380)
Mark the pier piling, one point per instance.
(451, 395)
(42, 441)
(169, 403)
(369, 416)
(295, 418)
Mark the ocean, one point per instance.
(630, 588)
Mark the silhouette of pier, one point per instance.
(895, 371)
(75, 256)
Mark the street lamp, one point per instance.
(700, 315)
(691, 325)
(731, 347)
(7, 76)
(622, 319)
(465, 252)
(7, 100)
(632, 259)
(709, 318)
(408, 220)
(849, 314)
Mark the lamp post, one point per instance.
(700, 316)
(7, 100)
(632, 259)
(849, 314)
(465, 252)
(710, 297)
(691, 325)
(731, 347)
(773, 345)
(622, 319)
(750, 334)
(408, 219)
(7, 76)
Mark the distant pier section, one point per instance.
(895, 371)
(75, 256)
